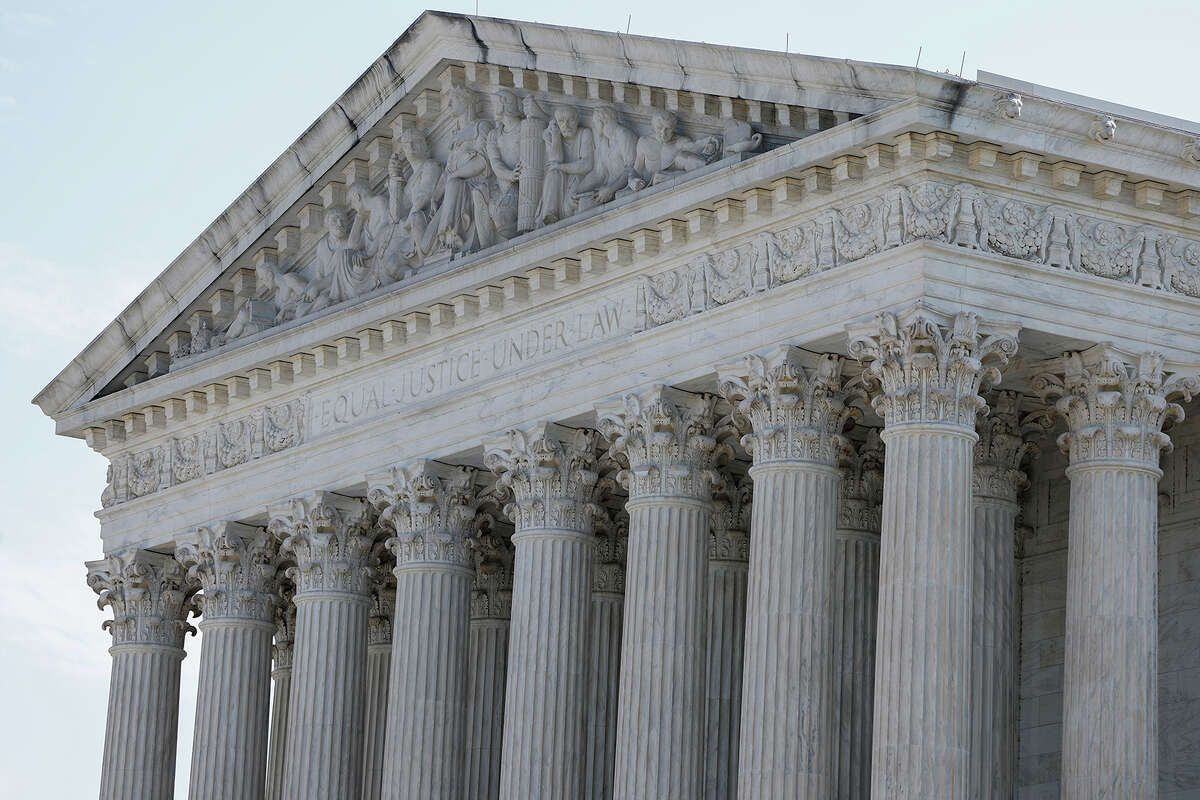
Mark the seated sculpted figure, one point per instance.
(382, 238)
(616, 152)
(462, 223)
(281, 292)
(570, 153)
(664, 154)
(341, 271)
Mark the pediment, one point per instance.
(467, 137)
(365, 200)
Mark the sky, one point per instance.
(125, 128)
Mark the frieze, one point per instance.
(220, 446)
(959, 214)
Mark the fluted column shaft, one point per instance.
(379, 665)
(925, 370)
(993, 749)
(1110, 692)
(143, 723)
(604, 678)
(431, 507)
(487, 671)
(330, 539)
(229, 747)
(727, 582)
(787, 739)
(922, 717)
(426, 739)
(327, 702)
(149, 595)
(543, 752)
(277, 745)
(660, 736)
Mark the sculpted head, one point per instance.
(567, 120)
(414, 145)
(462, 102)
(507, 104)
(663, 124)
(604, 119)
(338, 222)
(357, 194)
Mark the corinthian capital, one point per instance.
(927, 368)
(285, 625)
(382, 610)
(860, 501)
(491, 593)
(1003, 447)
(149, 594)
(329, 536)
(550, 473)
(667, 441)
(608, 551)
(430, 507)
(1115, 405)
(730, 523)
(795, 410)
(235, 565)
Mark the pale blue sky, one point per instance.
(125, 128)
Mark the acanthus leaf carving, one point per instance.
(329, 539)
(860, 493)
(729, 534)
(1004, 445)
(235, 566)
(430, 508)
(609, 551)
(549, 473)
(491, 591)
(1116, 405)
(150, 596)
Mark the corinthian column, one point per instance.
(430, 506)
(796, 414)
(379, 665)
(235, 566)
(150, 599)
(487, 661)
(855, 605)
(728, 571)
(604, 652)
(996, 483)
(550, 475)
(329, 537)
(281, 673)
(1115, 408)
(666, 439)
(925, 370)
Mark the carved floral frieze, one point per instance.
(959, 214)
(217, 447)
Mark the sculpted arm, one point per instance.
(587, 152)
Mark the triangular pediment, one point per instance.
(467, 136)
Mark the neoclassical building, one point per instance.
(577, 415)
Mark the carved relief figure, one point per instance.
(665, 154)
(379, 217)
(463, 221)
(421, 191)
(616, 152)
(570, 155)
(341, 270)
(504, 157)
(738, 137)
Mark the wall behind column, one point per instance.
(1043, 573)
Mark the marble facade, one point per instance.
(580, 415)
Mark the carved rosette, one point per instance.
(922, 367)
(729, 538)
(549, 473)
(285, 626)
(609, 549)
(150, 596)
(666, 440)
(431, 509)
(491, 592)
(795, 413)
(329, 537)
(1115, 406)
(860, 501)
(1003, 447)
